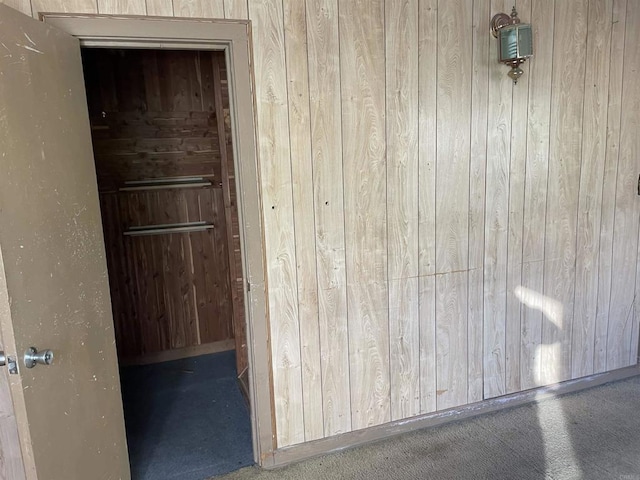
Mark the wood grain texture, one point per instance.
(480, 155)
(497, 222)
(168, 291)
(295, 33)
(199, 8)
(22, 6)
(535, 195)
(75, 6)
(517, 169)
(275, 164)
(622, 320)
(614, 109)
(401, 52)
(326, 142)
(477, 185)
(236, 9)
(228, 185)
(162, 8)
(122, 7)
(563, 186)
(594, 141)
(427, 147)
(454, 67)
(363, 122)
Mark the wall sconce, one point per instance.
(515, 41)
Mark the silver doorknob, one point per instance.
(32, 357)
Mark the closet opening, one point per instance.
(161, 132)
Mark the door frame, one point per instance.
(234, 38)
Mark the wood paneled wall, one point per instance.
(435, 235)
(165, 114)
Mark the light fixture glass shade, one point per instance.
(516, 43)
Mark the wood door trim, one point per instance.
(233, 37)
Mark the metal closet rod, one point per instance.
(168, 228)
(162, 183)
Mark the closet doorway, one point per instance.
(161, 132)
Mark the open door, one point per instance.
(53, 277)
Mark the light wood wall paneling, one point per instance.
(477, 182)
(594, 141)
(75, 6)
(517, 169)
(614, 109)
(235, 9)
(161, 8)
(563, 186)
(122, 7)
(275, 163)
(199, 8)
(535, 196)
(326, 141)
(295, 33)
(627, 214)
(23, 6)
(363, 121)
(401, 52)
(497, 220)
(427, 136)
(454, 66)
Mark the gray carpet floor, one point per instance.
(593, 434)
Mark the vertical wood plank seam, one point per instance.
(344, 217)
(484, 212)
(418, 139)
(524, 194)
(546, 202)
(613, 11)
(473, 4)
(435, 209)
(386, 197)
(315, 226)
(581, 157)
(615, 193)
(293, 215)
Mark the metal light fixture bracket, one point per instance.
(515, 41)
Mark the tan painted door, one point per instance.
(53, 277)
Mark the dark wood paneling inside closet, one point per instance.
(164, 158)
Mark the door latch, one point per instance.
(32, 357)
(10, 361)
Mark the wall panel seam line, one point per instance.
(546, 204)
(484, 209)
(293, 215)
(508, 225)
(582, 159)
(435, 210)
(315, 225)
(607, 140)
(615, 193)
(524, 203)
(344, 218)
(473, 44)
(386, 204)
(419, 271)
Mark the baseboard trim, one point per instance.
(295, 453)
(178, 353)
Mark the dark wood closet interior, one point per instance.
(161, 130)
